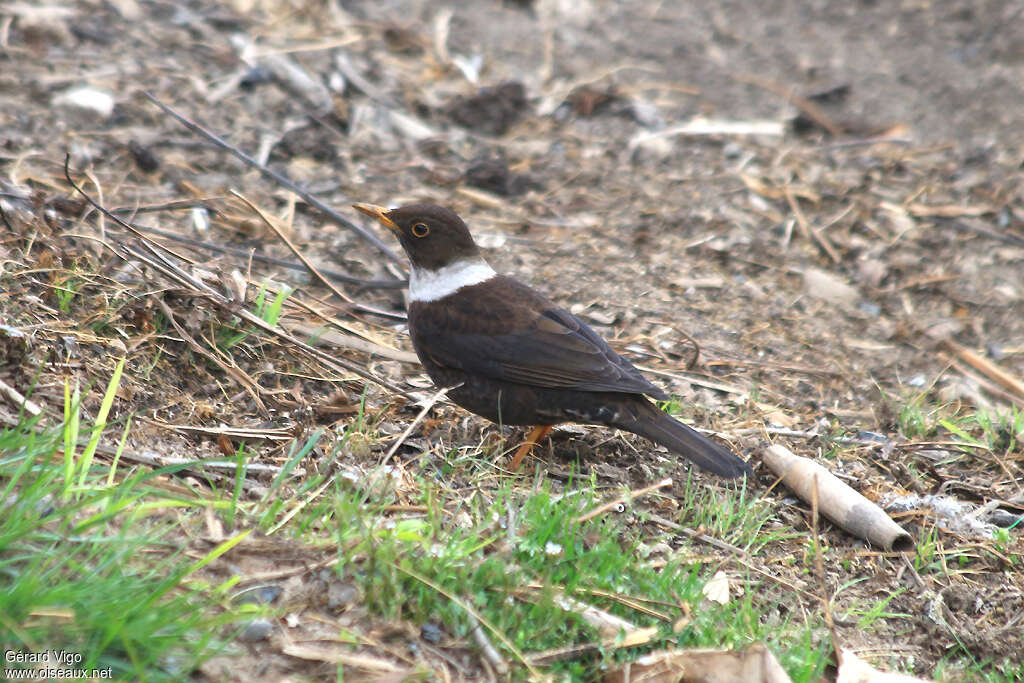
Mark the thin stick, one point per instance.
(777, 579)
(154, 460)
(230, 368)
(278, 178)
(160, 262)
(476, 615)
(412, 425)
(696, 535)
(696, 349)
(987, 367)
(263, 258)
(306, 500)
(819, 565)
(813, 111)
(640, 636)
(295, 250)
(15, 397)
(278, 574)
(622, 500)
(808, 229)
(102, 223)
(488, 649)
(106, 212)
(334, 362)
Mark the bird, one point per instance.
(511, 355)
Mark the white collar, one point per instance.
(431, 285)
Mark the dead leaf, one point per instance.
(717, 589)
(852, 669)
(824, 285)
(754, 664)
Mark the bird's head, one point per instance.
(433, 237)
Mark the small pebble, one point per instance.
(86, 99)
(431, 632)
(870, 308)
(259, 595)
(340, 594)
(1005, 519)
(865, 435)
(258, 629)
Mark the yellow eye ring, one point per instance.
(420, 230)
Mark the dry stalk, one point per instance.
(819, 565)
(158, 258)
(809, 230)
(622, 500)
(228, 366)
(487, 648)
(18, 399)
(696, 535)
(813, 111)
(278, 178)
(272, 224)
(362, 283)
(412, 425)
(986, 367)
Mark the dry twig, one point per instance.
(279, 179)
(156, 257)
(622, 500)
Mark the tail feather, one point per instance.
(651, 423)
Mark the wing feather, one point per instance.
(505, 330)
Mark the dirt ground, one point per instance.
(856, 245)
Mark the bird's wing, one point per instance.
(512, 333)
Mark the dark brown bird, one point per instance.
(515, 357)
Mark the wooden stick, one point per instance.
(18, 399)
(487, 648)
(813, 111)
(848, 509)
(362, 283)
(697, 536)
(808, 229)
(986, 367)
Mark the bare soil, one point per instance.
(823, 272)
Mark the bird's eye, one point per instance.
(420, 229)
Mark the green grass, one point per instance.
(89, 565)
(267, 310)
(1001, 431)
(1004, 671)
(870, 612)
(92, 560)
(66, 290)
(510, 554)
(917, 420)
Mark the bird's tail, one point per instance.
(644, 418)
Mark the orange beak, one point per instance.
(379, 213)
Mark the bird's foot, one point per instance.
(532, 439)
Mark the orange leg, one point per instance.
(534, 437)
